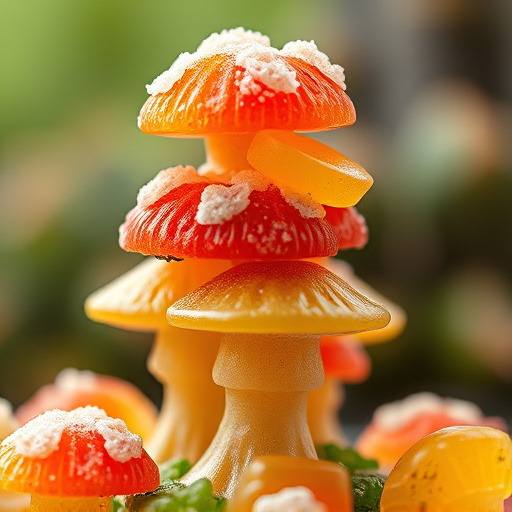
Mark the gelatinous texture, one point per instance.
(207, 100)
(268, 228)
(395, 427)
(344, 358)
(329, 482)
(73, 388)
(138, 300)
(349, 227)
(80, 467)
(308, 167)
(278, 297)
(457, 469)
(398, 316)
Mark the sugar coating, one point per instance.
(308, 51)
(254, 179)
(291, 499)
(260, 62)
(165, 181)
(41, 436)
(220, 203)
(306, 205)
(268, 67)
(71, 380)
(397, 414)
(8, 423)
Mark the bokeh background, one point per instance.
(432, 84)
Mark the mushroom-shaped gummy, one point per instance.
(272, 314)
(237, 84)
(74, 388)
(75, 461)
(181, 360)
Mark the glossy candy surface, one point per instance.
(457, 469)
(277, 297)
(329, 482)
(88, 468)
(207, 100)
(268, 228)
(308, 167)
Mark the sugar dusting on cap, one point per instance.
(220, 203)
(296, 499)
(395, 415)
(260, 62)
(308, 51)
(41, 437)
(306, 205)
(165, 181)
(8, 423)
(70, 380)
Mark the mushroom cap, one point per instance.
(80, 453)
(344, 358)
(398, 315)
(237, 83)
(295, 297)
(74, 388)
(181, 214)
(138, 300)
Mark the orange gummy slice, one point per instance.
(329, 482)
(207, 100)
(268, 228)
(457, 469)
(345, 358)
(308, 167)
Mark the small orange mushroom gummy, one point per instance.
(75, 461)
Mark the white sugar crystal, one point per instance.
(41, 436)
(308, 51)
(220, 203)
(70, 380)
(8, 423)
(254, 179)
(307, 207)
(394, 415)
(165, 181)
(268, 67)
(217, 42)
(290, 499)
(121, 444)
(167, 79)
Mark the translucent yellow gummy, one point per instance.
(329, 482)
(457, 469)
(278, 297)
(308, 167)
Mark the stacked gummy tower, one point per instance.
(265, 200)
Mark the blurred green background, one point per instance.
(432, 84)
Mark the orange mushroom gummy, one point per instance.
(219, 211)
(78, 388)
(272, 315)
(181, 360)
(75, 461)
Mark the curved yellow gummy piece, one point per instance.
(308, 167)
(456, 469)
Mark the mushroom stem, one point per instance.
(63, 504)
(267, 380)
(193, 404)
(323, 406)
(226, 154)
